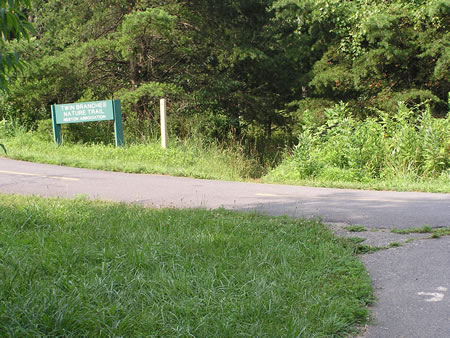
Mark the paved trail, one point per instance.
(377, 209)
(405, 278)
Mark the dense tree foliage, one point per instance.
(240, 65)
(373, 53)
(14, 25)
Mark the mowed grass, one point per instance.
(83, 268)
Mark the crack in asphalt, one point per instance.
(379, 237)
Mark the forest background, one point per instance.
(323, 90)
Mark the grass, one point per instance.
(181, 159)
(285, 174)
(425, 229)
(355, 228)
(361, 249)
(83, 268)
(436, 232)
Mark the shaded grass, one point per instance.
(76, 267)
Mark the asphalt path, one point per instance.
(412, 283)
(412, 286)
(378, 209)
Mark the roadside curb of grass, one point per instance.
(185, 161)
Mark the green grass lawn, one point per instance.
(83, 268)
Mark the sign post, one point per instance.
(87, 112)
(118, 129)
(56, 128)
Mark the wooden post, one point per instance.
(162, 104)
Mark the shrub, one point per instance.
(409, 142)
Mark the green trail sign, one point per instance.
(84, 112)
(87, 112)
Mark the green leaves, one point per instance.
(404, 143)
(146, 96)
(368, 52)
(141, 28)
(14, 25)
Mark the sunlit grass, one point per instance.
(437, 185)
(82, 268)
(191, 159)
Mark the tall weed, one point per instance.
(408, 143)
